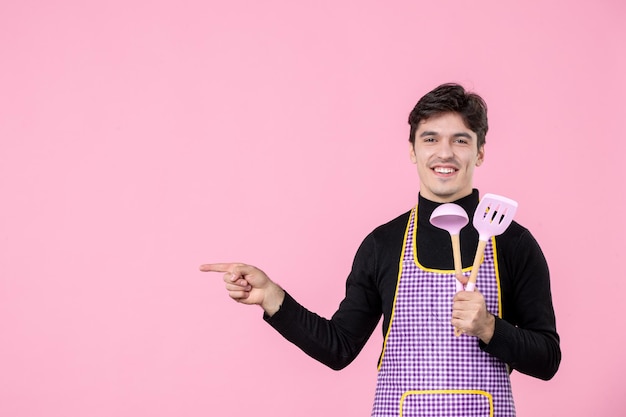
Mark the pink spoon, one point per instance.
(452, 218)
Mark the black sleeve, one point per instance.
(526, 336)
(336, 342)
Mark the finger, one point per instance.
(230, 277)
(242, 283)
(242, 269)
(221, 267)
(465, 296)
(239, 295)
(456, 323)
(237, 269)
(458, 314)
(462, 279)
(238, 286)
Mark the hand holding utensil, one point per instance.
(492, 217)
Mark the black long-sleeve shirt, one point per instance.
(525, 337)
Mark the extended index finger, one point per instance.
(221, 267)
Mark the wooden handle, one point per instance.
(456, 253)
(458, 267)
(480, 251)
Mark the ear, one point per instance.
(412, 153)
(481, 156)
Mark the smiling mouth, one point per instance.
(444, 170)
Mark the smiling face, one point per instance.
(446, 153)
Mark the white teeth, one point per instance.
(444, 170)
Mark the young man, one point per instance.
(404, 271)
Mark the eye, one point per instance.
(429, 139)
(462, 141)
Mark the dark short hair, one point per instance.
(452, 98)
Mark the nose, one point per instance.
(444, 150)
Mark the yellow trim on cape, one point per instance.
(497, 269)
(449, 391)
(395, 295)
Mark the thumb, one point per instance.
(248, 272)
(462, 278)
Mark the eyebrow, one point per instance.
(456, 135)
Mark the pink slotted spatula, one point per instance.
(492, 217)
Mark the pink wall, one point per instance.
(139, 139)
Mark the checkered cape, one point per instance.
(426, 371)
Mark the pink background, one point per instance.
(139, 139)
